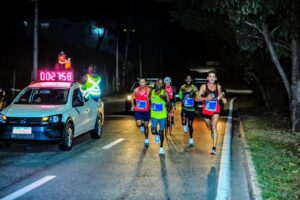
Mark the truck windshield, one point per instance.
(43, 96)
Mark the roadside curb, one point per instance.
(255, 191)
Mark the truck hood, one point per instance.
(15, 110)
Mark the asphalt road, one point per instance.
(123, 170)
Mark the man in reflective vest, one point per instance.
(91, 84)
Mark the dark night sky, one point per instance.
(20, 10)
(154, 29)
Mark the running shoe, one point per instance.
(157, 138)
(213, 151)
(172, 124)
(146, 142)
(161, 151)
(191, 141)
(142, 129)
(185, 128)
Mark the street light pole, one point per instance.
(35, 41)
(140, 59)
(117, 64)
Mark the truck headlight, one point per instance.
(52, 119)
(3, 119)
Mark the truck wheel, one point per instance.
(66, 143)
(97, 131)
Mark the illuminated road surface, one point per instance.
(117, 166)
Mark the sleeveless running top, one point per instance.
(211, 107)
(158, 106)
(170, 92)
(142, 100)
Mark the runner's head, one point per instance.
(159, 84)
(188, 79)
(142, 82)
(167, 81)
(61, 56)
(92, 69)
(212, 77)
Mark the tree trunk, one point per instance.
(100, 39)
(276, 61)
(295, 87)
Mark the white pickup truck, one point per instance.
(51, 111)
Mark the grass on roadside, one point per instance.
(275, 153)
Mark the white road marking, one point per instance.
(28, 188)
(113, 143)
(224, 187)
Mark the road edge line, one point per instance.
(28, 188)
(255, 191)
(224, 187)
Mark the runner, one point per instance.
(159, 99)
(140, 104)
(171, 92)
(210, 94)
(187, 93)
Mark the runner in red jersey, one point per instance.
(171, 92)
(140, 104)
(210, 94)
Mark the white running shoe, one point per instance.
(191, 141)
(213, 151)
(161, 151)
(157, 138)
(142, 129)
(185, 128)
(146, 142)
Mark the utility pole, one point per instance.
(14, 84)
(140, 59)
(35, 41)
(125, 59)
(127, 30)
(117, 64)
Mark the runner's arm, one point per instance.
(180, 93)
(174, 96)
(200, 92)
(167, 96)
(220, 96)
(133, 99)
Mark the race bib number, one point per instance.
(141, 104)
(157, 107)
(211, 105)
(188, 102)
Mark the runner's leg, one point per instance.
(154, 123)
(191, 117)
(162, 124)
(184, 120)
(138, 123)
(146, 122)
(208, 124)
(215, 119)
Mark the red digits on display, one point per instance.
(56, 76)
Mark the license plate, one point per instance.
(22, 130)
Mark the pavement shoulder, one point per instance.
(255, 191)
